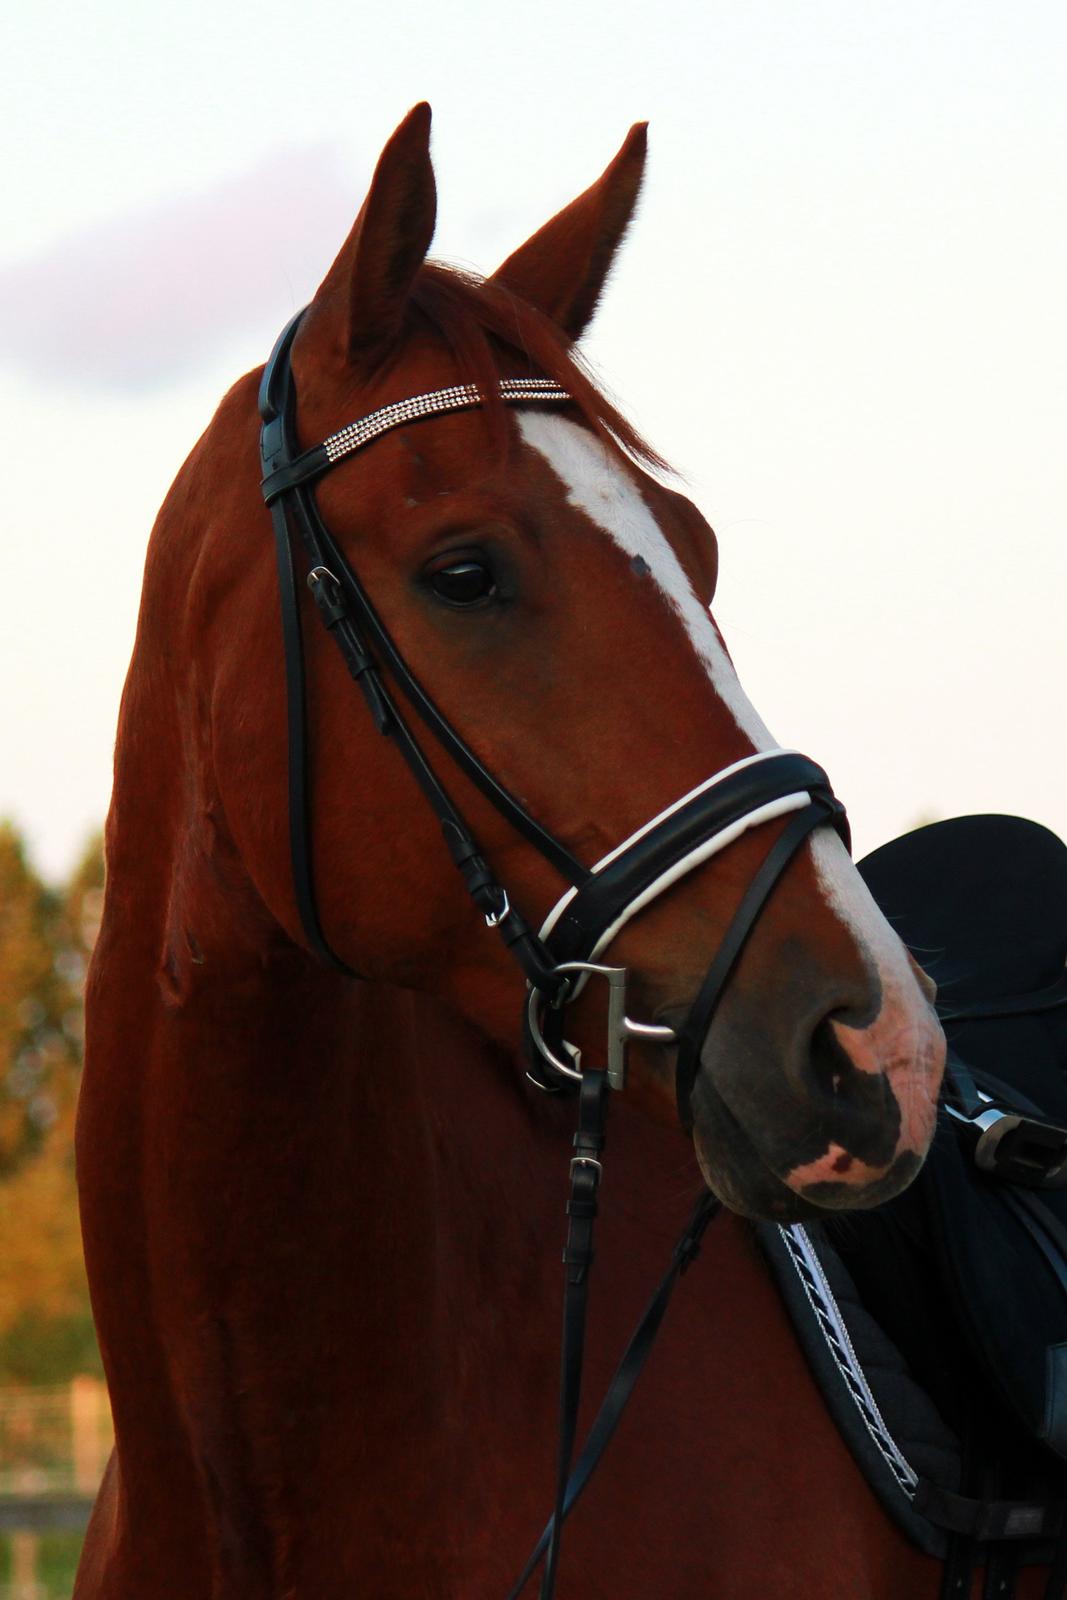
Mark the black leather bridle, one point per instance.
(557, 960)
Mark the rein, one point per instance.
(559, 958)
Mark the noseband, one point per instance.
(566, 952)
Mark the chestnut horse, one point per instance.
(322, 1215)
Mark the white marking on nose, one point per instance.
(904, 1041)
(598, 484)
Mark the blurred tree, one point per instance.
(45, 941)
(46, 1331)
(35, 1053)
(74, 934)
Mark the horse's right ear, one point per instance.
(358, 311)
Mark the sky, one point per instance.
(840, 314)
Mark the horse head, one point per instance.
(539, 574)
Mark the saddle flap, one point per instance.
(1002, 1254)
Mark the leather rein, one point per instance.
(560, 957)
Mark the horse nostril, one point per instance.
(826, 1061)
(832, 1072)
(858, 1012)
(856, 1107)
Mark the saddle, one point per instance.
(936, 1324)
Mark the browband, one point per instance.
(312, 463)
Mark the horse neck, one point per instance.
(299, 1192)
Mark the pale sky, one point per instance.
(840, 313)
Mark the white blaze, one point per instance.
(598, 485)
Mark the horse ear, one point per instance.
(364, 295)
(563, 268)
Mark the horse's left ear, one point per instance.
(563, 268)
(359, 309)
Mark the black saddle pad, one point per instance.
(936, 1324)
(966, 1271)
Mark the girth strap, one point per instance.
(990, 1519)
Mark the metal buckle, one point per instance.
(1018, 1149)
(621, 1028)
(493, 919)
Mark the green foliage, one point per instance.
(37, 1347)
(57, 1562)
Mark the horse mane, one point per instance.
(487, 327)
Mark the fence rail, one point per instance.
(54, 1445)
(54, 1440)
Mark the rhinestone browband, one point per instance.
(459, 397)
(311, 464)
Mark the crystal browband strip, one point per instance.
(354, 436)
(460, 397)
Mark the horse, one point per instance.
(321, 1201)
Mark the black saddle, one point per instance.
(936, 1324)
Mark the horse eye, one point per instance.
(464, 583)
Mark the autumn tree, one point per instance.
(45, 941)
(38, 1058)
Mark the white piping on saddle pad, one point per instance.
(831, 1325)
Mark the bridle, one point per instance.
(567, 950)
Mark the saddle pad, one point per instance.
(982, 903)
(915, 1462)
(886, 1418)
(936, 1324)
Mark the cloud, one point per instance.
(138, 299)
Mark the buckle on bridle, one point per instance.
(621, 1028)
(494, 918)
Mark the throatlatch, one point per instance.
(576, 934)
